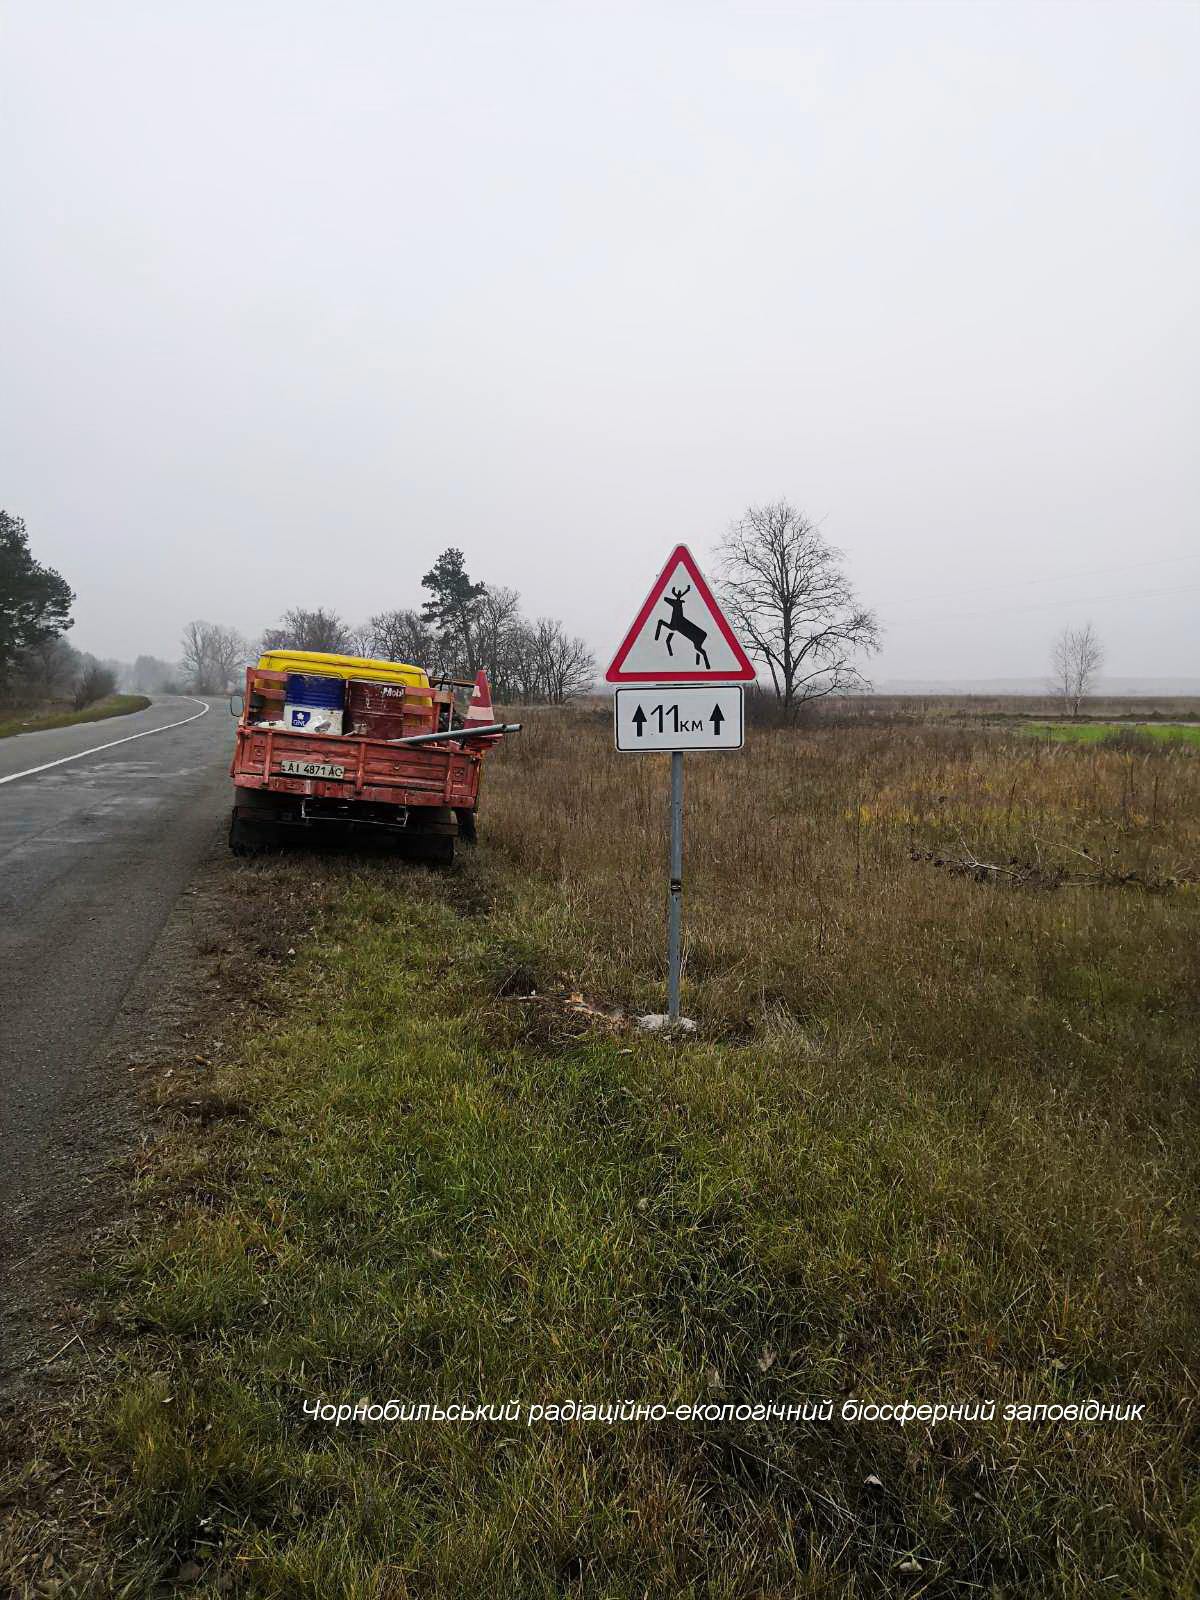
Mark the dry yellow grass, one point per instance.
(802, 896)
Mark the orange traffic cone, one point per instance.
(480, 709)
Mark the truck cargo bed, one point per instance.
(371, 770)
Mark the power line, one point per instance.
(1024, 583)
(1076, 602)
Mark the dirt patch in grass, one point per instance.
(204, 1108)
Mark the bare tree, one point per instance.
(360, 641)
(149, 675)
(212, 657)
(498, 624)
(45, 670)
(403, 636)
(1076, 659)
(194, 656)
(565, 665)
(309, 630)
(789, 598)
(525, 668)
(526, 661)
(229, 653)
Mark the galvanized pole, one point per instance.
(675, 897)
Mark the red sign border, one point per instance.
(745, 672)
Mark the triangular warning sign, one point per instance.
(680, 635)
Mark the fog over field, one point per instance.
(297, 296)
(1134, 687)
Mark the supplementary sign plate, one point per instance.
(680, 635)
(679, 717)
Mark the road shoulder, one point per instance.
(83, 1197)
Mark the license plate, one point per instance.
(311, 769)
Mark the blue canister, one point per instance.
(306, 689)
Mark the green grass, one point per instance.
(438, 1195)
(113, 705)
(938, 1142)
(1098, 732)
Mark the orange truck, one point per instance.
(341, 744)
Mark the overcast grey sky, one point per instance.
(296, 294)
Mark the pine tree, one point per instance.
(452, 610)
(35, 602)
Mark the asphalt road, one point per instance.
(94, 850)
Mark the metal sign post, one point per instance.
(690, 668)
(687, 717)
(675, 892)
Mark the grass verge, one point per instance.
(936, 1143)
(113, 705)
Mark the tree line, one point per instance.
(784, 587)
(463, 626)
(36, 662)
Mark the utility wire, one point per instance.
(1024, 583)
(1074, 601)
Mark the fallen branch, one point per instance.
(1038, 875)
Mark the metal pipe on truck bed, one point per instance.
(491, 728)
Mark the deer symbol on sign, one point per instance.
(678, 623)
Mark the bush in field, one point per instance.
(94, 682)
(1133, 741)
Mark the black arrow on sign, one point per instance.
(639, 720)
(717, 718)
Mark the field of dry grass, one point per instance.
(937, 1140)
(967, 708)
(835, 873)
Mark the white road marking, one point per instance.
(112, 743)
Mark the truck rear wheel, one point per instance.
(429, 836)
(437, 849)
(466, 825)
(250, 838)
